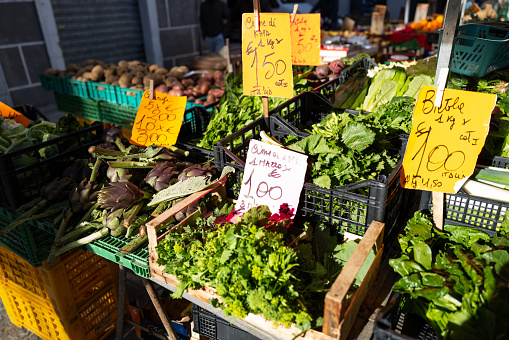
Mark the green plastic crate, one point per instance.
(128, 97)
(100, 91)
(51, 83)
(118, 114)
(78, 106)
(75, 87)
(479, 49)
(27, 241)
(108, 247)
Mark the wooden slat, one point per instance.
(335, 310)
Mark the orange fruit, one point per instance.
(440, 19)
(423, 22)
(415, 26)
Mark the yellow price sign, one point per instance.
(158, 120)
(305, 33)
(8, 112)
(445, 141)
(266, 55)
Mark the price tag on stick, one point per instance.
(158, 120)
(305, 33)
(445, 141)
(272, 176)
(8, 112)
(266, 55)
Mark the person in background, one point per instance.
(213, 21)
(329, 13)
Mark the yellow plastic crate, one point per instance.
(95, 320)
(79, 289)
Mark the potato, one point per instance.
(203, 87)
(198, 101)
(137, 81)
(122, 63)
(161, 88)
(88, 68)
(183, 69)
(205, 77)
(133, 63)
(176, 72)
(218, 75)
(111, 78)
(51, 72)
(175, 92)
(211, 98)
(125, 80)
(162, 71)
(122, 70)
(88, 76)
(115, 83)
(177, 85)
(216, 92)
(186, 82)
(169, 81)
(157, 78)
(153, 67)
(110, 71)
(137, 87)
(72, 67)
(97, 73)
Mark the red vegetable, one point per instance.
(336, 66)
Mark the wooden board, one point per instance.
(339, 316)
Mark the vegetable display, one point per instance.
(457, 279)
(263, 264)
(14, 137)
(114, 192)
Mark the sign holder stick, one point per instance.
(292, 19)
(451, 20)
(151, 89)
(229, 66)
(256, 10)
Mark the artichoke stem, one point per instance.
(23, 217)
(29, 205)
(88, 213)
(134, 244)
(118, 143)
(95, 170)
(179, 151)
(83, 241)
(105, 153)
(132, 213)
(132, 164)
(78, 232)
(60, 233)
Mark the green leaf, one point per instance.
(357, 136)
(423, 255)
(323, 181)
(465, 235)
(501, 260)
(432, 279)
(404, 266)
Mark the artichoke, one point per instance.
(114, 135)
(119, 195)
(58, 189)
(117, 174)
(84, 194)
(113, 219)
(162, 175)
(197, 170)
(78, 170)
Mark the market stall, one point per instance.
(277, 211)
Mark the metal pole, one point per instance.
(407, 11)
(121, 297)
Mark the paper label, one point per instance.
(8, 112)
(158, 120)
(305, 33)
(267, 56)
(272, 176)
(445, 141)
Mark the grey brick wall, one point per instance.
(22, 55)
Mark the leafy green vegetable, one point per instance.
(457, 279)
(262, 264)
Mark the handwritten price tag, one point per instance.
(158, 120)
(266, 56)
(8, 112)
(445, 141)
(305, 33)
(272, 176)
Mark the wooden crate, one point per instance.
(338, 315)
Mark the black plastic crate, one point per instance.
(328, 89)
(392, 323)
(343, 208)
(196, 120)
(21, 184)
(472, 211)
(216, 328)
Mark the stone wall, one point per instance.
(22, 55)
